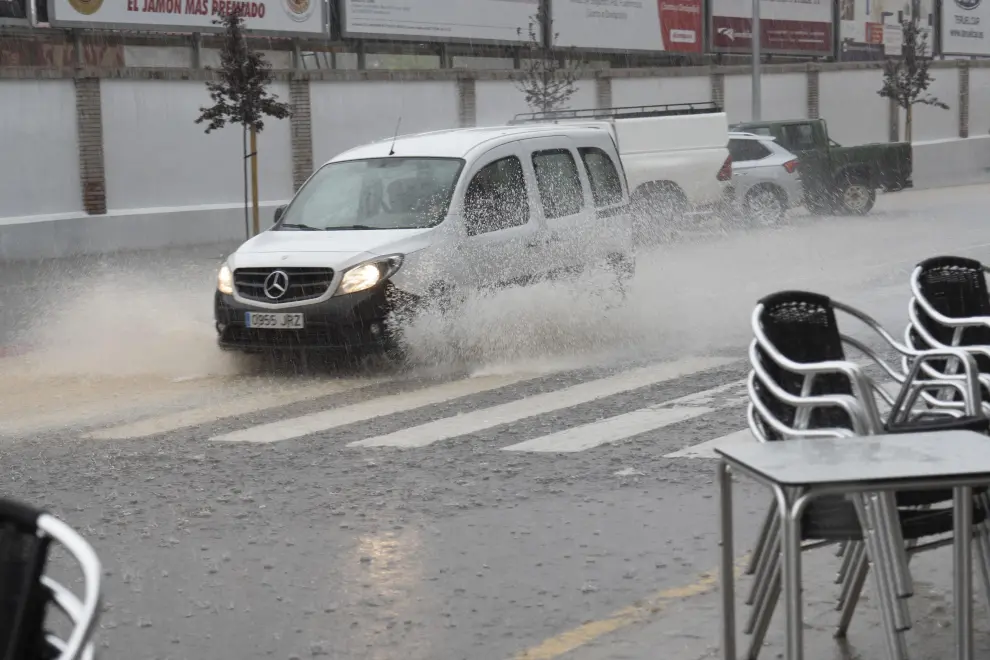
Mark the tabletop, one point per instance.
(819, 461)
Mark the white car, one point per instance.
(765, 175)
(391, 225)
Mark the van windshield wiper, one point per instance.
(298, 226)
(346, 227)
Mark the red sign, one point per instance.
(735, 35)
(681, 25)
(874, 33)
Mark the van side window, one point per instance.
(496, 197)
(606, 186)
(559, 183)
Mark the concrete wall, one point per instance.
(112, 159)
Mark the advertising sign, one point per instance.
(290, 17)
(629, 25)
(793, 27)
(964, 27)
(13, 12)
(484, 21)
(871, 29)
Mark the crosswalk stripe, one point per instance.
(479, 420)
(620, 427)
(326, 420)
(233, 408)
(707, 449)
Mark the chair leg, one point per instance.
(847, 559)
(764, 616)
(856, 553)
(770, 554)
(761, 541)
(891, 529)
(847, 608)
(883, 577)
(762, 589)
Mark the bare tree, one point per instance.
(905, 78)
(240, 95)
(547, 80)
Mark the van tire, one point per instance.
(660, 207)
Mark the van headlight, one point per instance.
(369, 274)
(225, 280)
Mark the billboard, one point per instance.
(288, 17)
(964, 27)
(632, 25)
(794, 27)
(871, 29)
(13, 12)
(483, 21)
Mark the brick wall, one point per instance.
(89, 117)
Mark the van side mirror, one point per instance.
(279, 210)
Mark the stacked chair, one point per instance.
(803, 384)
(26, 590)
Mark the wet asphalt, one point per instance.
(309, 548)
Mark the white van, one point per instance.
(390, 225)
(675, 155)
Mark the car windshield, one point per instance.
(377, 193)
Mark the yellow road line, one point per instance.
(588, 632)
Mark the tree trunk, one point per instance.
(244, 154)
(907, 123)
(254, 181)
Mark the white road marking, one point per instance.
(298, 427)
(707, 449)
(479, 420)
(244, 405)
(620, 427)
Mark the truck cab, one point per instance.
(836, 178)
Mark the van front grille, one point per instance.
(304, 283)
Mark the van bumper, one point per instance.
(349, 321)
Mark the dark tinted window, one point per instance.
(743, 150)
(559, 183)
(799, 136)
(496, 197)
(606, 187)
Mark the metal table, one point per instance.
(828, 466)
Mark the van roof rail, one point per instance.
(624, 112)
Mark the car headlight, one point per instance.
(225, 280)
(367, 275)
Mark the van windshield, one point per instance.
(376, 193)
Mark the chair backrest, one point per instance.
(26, 591)
(23, 555)
(802, 327)
(955, 287)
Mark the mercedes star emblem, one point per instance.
(276, 284)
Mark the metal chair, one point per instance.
(802, 384)
(26, 590)
(950, 307)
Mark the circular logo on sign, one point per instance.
(89, 7)
(299, 10)
(968, 5)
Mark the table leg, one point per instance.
(791, 550)
(963, 570)
(727, 569)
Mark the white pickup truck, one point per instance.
(676, 156)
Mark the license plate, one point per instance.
(273, 321)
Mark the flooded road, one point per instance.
(540, 464)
